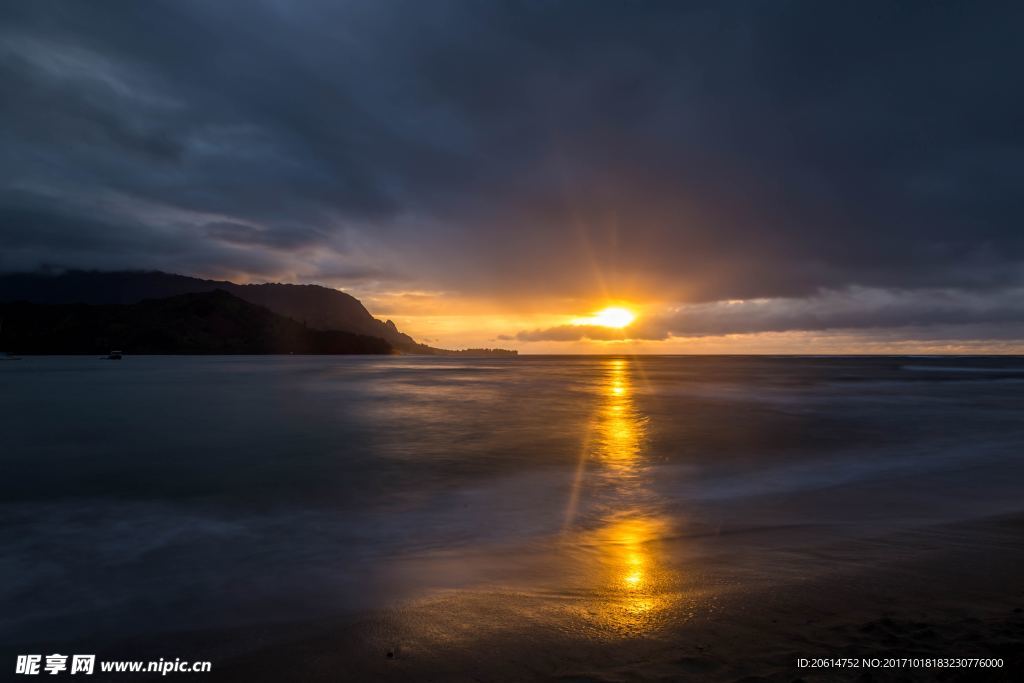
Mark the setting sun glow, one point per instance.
(613, 316)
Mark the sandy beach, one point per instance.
(745, 614)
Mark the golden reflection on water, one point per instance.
(632, 587)
(618, 427)
(610, 576)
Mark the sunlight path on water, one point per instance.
(629, 584)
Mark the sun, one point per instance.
(613, 316)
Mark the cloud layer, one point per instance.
(945, 310)
(681, 152)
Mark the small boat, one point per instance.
(114, 355)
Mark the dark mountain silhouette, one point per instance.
(320, 308)
(199, 323)
(313, 307)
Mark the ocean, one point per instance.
(165, 494)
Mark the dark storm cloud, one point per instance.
(690, 151)
(281, 238)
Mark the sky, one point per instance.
(778, 177)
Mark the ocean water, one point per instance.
(161, 494)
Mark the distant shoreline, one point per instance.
(517, 354)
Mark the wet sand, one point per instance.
(739, 609)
